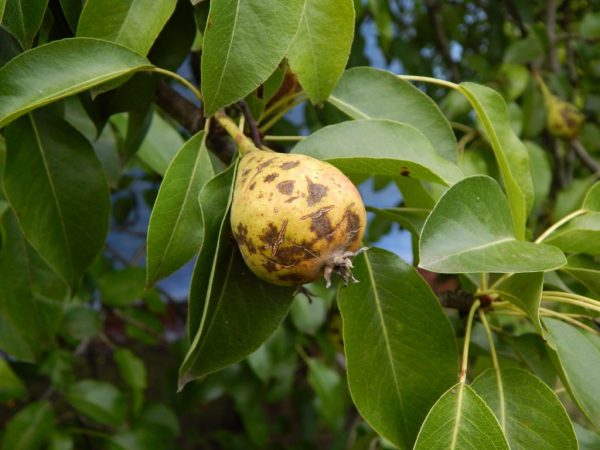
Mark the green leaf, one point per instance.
(331, 392)
(122, 287)
(368, 93)
(60, 440)
(308, 317)
(214, 201)
(541, 173)
(379, 147)
(160, 418)
(531, 350)
(244, 42)
(30, 296)
(533, 416)
(509, 151)
(586, 270)
(47, 158)
(470, 231)
(30, 428)
(524, 290)
(80, 322)
(133, 372)
(11, 386)
(142, 439)
(580, 235)
(23, 18)
(412, 219)
(578, 356)
(72, 10)
(100, 401)
(132, 23)
(400, 347)
(175, 232)
(38, 76)
(241, 312)
(459, 420)
(317, 56)
(591, 201)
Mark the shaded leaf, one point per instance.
(586, 270)
(578, 357)
(11, 386)
(591, 201)
(133, 372)
(369, 93)
(244, 41)
(400, 348)
(470, 230)
(30, 428)
(580, 235)
(412, 219)
(46, 159)
(534, 416)
(80, 322)
(316, 55)
(524, 290)
(132, 23)
(122, 287)
(176, 230)
(100, 401)
(379, 147)
(38, 77)
(23, 18)
(330, 390)
(460, 419)
(509, 151)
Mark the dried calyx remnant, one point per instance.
(296, 218)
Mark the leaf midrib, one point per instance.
(387, 340)
(470, 249)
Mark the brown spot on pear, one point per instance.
(296, 242)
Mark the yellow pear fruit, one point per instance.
(564, 120)
(295, 218)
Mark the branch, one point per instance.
(586, 159)
(254, 133)
(514, 13)
(179, 108)
(441, 39)
(551, 6)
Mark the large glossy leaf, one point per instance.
(578, 354)
(368, 93)
(214, 201)
(586, 270)
(30, 296)
(524, 290)
(30, 428)
(100, 401)
(23, 18)
(244, 42)
(461, 420)
(470, 230)
(175, 231)
(509, 151)
(57, 187)
(38, 77)
(580, 235)
(379, 147)
(529, 411)
(132, 23)
(400, 348)
(317, 56)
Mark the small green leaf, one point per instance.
(586, 270)
(31, 295)
(369, 93)
(541, 173)
(122, 287)
(533, 416)
(60, 440)
(400, 347)
(509, 151)
(531, 350)
(412, 219)
(160, 418)
(30, 428)
(331, 392)
(578, 357)
(132, 23)
(72, 10)
(23, 18)
(524, 290)
(11, 386)
(459, 420)
(100, 401)
(317, 56)
(470, 230)
(379, 147)
(580, 235)
(133, 372)
(80, 322)
(46, 158)
(176, 231)
(38, 76)
(244, 41)
(591, 201)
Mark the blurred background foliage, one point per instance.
(108, 377)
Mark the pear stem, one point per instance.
(244, 143)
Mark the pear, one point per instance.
(296, 218)
(564, 119)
